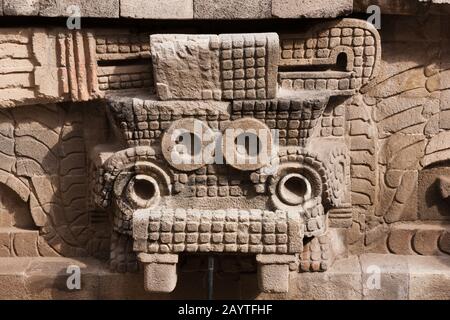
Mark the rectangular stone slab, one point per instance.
(186, 66)
(243, 231)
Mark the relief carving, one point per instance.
(282, 152)
(276, 204)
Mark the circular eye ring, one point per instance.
(294, 189)
(296, 196)
(259, 139)
(192, 136)
(143, 191)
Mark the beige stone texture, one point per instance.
(311, 8)
(21, 7)
(186, 67)
(97, 9)
(233, 9)
(432, 205)
(342, 282)
(157, 9)
(393, 276)
(361, 165)
(45, 278)
(429, 278)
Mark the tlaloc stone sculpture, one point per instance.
(281, 150)
(267, 203)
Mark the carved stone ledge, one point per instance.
(45, 278)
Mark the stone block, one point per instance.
(160, 272)
(118, 286)
(87, 8)
(429, 278)
(273, 278)
(384, 277)
(5, 244)
(341, 282)
(12, 273)
(157, 9)
(444, 119)
(20, 7)
(25, 243)
(311, 8)
(400, 240)
(431, 204)
(444, 242)
(49, 278)
(273, 272)
(232, 9)
(186, 67)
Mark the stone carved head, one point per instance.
(227, 157)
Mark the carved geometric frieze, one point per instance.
(270, 171)
(338, 56)
(159, 188)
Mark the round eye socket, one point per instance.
(247, 144)
(187, 144)
(294, 189)
(144, 188)
(143, 191)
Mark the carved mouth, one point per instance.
(165, 230)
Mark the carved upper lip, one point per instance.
(246, 231)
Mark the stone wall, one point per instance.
(363, 121)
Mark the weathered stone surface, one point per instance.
(5, 243)
(45, 278)
(384, 277)
(367, 150)
(254, 9)
(425, 242)
(403, 7)
(157, 9)
(160, 272)
(26, 244)
(423, 239)
(311, 8)
(444, 242)
(273, 272)
(273, 277)
(98, 9)
(429, 278)
(21, 7)
(399, 241)
(214, 67)
(186, 67)
(431, 204)
(233, 9)
(342, 282)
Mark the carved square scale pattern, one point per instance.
(243, 62)
(245, 231)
